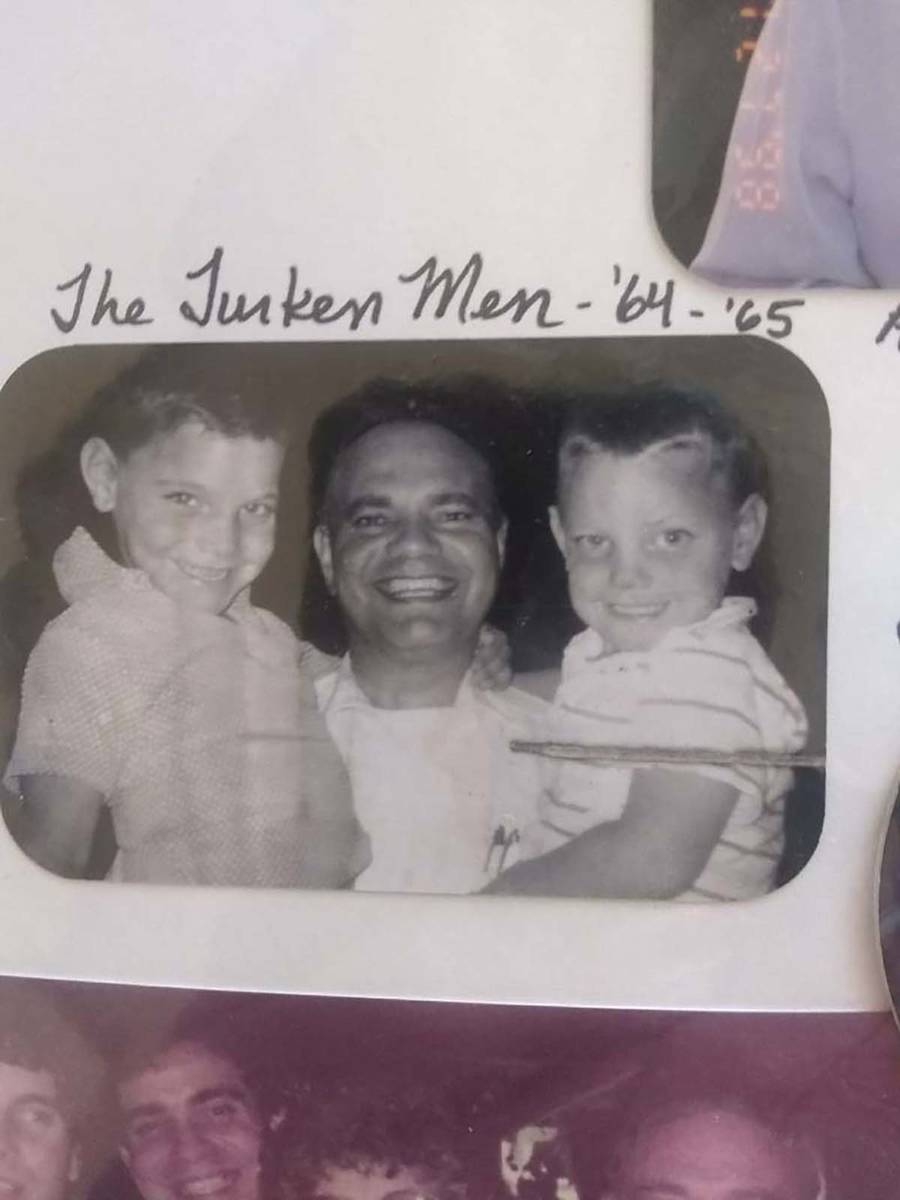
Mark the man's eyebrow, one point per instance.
(456, 498)
(372, 500)
(225, 1092)
(37, 1098)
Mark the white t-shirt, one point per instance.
(810, 193)
(438, 790)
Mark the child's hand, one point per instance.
(491, 671)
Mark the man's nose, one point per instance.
(413, 535)
(188, 1145)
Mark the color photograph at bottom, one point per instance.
(110, 1092)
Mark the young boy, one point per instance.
(659, 501)
(161, 691)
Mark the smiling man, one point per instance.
(410, 538)
(191, 1129)
(49, 1087)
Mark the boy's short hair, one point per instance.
(630, 422)
(473, 408)
(171, 386)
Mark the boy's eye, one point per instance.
(594, 543)
(260, 508)
(670, 539)
(183, 499)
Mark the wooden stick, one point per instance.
(662, 756)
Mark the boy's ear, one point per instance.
(100, 471)
(749, 528)
(559, 535)
(322, 547)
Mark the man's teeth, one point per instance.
(429, 585)
(205, 1187)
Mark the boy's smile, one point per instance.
(193, 509)
(650, 541)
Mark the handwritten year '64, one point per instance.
(645, 300)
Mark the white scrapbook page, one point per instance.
(449, 693)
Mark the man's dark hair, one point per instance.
(366, 1127)
(37, 1035)
(477, 410)
(631, 421)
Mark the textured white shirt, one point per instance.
(810, 193)
(438, 790)
(707, 686)
(201, 731)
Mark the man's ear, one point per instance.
(76, 1162)
(559, 535)
(749, 528)
(322, 547)
(100, 471)
(502, 529)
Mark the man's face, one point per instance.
(410, 549)
(38, 1156)
(191, 1130)
(712, 1156)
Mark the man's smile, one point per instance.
(207, 1185)
(409, 588)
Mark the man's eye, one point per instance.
(455, 516)
(39, 1116)
(369, 521)
(183, 499)
(143, 1131)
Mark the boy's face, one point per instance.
(649, 542)
(193, 509)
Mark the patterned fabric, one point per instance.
(708, 686)
(201, 731)
(440, 794)
(811, 186)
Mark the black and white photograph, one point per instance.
(111, 1092)
(512, 617)
(776, 136)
